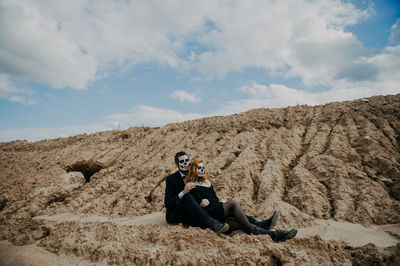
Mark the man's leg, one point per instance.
(201, 218)
(197, 215)
(181, 214)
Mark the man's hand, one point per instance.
(204, 203)
(188, 187)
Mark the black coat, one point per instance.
(175, 184)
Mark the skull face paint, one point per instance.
(183, 163)
(201, 170)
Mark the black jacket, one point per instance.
(175, 184)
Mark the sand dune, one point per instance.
(332, 171)
(353, 235)
(153, 218)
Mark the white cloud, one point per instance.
(33, 47)
(262, 96)
(195, 79)
(379, 72)
(10, 91)
(388, 64)
(277, 96)
(395, 33)
(149, 116)
(74, 43)
(138, 116)
(21, 99)
(35, 134)
(306, 37)
(185, 96)
(317, 62)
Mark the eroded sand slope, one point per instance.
(324, 168)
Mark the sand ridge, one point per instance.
(153, 218)
(354, 235)
(333, 171)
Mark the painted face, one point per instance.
(201, 170)
(183, 163)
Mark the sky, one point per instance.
(83, 66)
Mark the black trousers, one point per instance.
(189, 212)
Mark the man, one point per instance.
(182, 206)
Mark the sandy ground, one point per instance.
(332, 171)
(354, 235)
(32, 255)
(153, 218)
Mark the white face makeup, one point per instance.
(183, 163)
(201, 170)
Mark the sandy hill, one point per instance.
(332, 171)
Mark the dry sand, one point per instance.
(332, 171)
(353, 235)
(32, 255)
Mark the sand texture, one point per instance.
(332, 171)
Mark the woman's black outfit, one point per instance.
(215, 209)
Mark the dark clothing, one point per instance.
(201, 192)
(215, 209)
(185, 210)
(174, 185)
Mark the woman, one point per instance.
(230, 211)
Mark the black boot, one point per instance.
(256, 231)
(216, 226)
(283, 235)
(270, 222)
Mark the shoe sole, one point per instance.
(274, 220)
(292, 233)
(223, 229)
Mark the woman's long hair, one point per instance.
(193, 173)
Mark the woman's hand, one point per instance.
(204, 203)
(188, 187)
(223, 201)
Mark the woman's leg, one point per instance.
(266, 232)
(233, 208)
(233, 224)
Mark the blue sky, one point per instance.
(71, 67)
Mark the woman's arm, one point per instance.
(204, 202)
(213, 191)
(215, 194)
(196, 194)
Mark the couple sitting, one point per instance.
(190, 199)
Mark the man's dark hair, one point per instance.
(181, 153)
